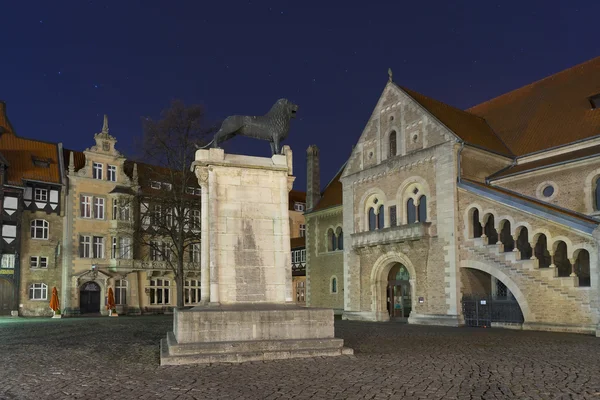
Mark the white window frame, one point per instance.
(195, 252)
(299, 207)
(85, 246)
(191, 286)
(302, 228)
(98, 247)
(99, 207)
(196, 219)
(124, 248)
(303, 255)
(40, 194)
(85, 206)
(121, 292)
(111, 173)
(97, 170)
(45, 228)
(38, 291)
(36, 262)
(8, 261)
(155, 184)
(113, 249)
(164, 287)
(124, 211)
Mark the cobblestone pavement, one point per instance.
(117, 358)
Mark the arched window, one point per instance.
(523, 244)
(541, 252)
(331, 242)
(411, 214)
(422, 209)
(372, 219)
(392, 143)
(477, 229)
(334, 285)
(506, 238)
(340, 238)
(582, 267)
(380, 217)
(597, 195)
(39, 229)
(120, 292)
(490, 231)
(563, 265)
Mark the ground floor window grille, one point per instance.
(192, 291)
(159, 291)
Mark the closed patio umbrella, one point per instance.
(111, 300)
(54, 304)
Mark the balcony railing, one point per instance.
(394, 234)
(150, 265)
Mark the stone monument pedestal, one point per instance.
(246, 311)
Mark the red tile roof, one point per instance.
(333, 193)
(548, 113)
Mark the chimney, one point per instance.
(313, 177)
(3, 119)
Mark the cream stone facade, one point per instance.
(439, 210)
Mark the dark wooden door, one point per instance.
(89, 298)
(7, 296)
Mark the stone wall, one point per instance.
(477, 164)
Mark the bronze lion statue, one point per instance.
(274, 126)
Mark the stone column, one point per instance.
(552, 265)
(212, 244)
(202, 174)
(572, 260)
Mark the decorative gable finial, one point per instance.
(105, 125)
(135, 174)
(71, 163)
(390, 78)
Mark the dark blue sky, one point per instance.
(64, 64)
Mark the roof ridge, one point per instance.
(595, 59)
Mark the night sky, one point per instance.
(65, 64)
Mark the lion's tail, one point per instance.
(206, 145)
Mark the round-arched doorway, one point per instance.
(89, 298)
(399, 300)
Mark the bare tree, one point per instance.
(168, 227)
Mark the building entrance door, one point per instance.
(7, 296)
(399, 293)
(89, 298)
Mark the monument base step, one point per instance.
(244, 351)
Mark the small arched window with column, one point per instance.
(331, 240)
(477, 230)
(582, 267)
(374, 210)
(422, 209)
(340, 238)
(412, 195)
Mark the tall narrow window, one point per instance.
(113, 251)
(115, 209)
(334, 285)
(422, 209)
(98, 247)
(85, 246)
(411, 212)
(393, 216)
(372, 219)
(97, 170)
(86, 206)
(121, 292)
(392, 143)
(196, 218)
(380, 217)
(331, 242)
(340, 238)
(477, 229)
(98, 208)
(125, 248)
(111, 171)
(302, 230)
(195, 253)
(192, 291)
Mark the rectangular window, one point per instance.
(195, 253)
(302, 255)
(169, 217)
(33, 262)
(38, 291)
(113, 250)
(115, 209)
(159, 291)
(393, 216)
(192, 291)
(124, 212)
(157, 215)
(120, 292)
(38, 262)
(85, 246)
(196, 219)
(302, 230)
(8, 261)
(155, 184)
(125, 248)
(97, 170)
(86, 206)
(98, 207)
(98, 247)
(155, 254)
(111, 171)
(41, 194)
(43, 262)
(299, 206)
(145, 215)
(167, 186)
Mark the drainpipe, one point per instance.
(512, 164)
(462, 146)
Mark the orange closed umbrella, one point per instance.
(111, 299)
(54, 304)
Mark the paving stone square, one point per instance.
(118, 358)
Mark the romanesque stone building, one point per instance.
(449, 216)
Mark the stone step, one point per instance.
(250, 346)
(169, 359)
